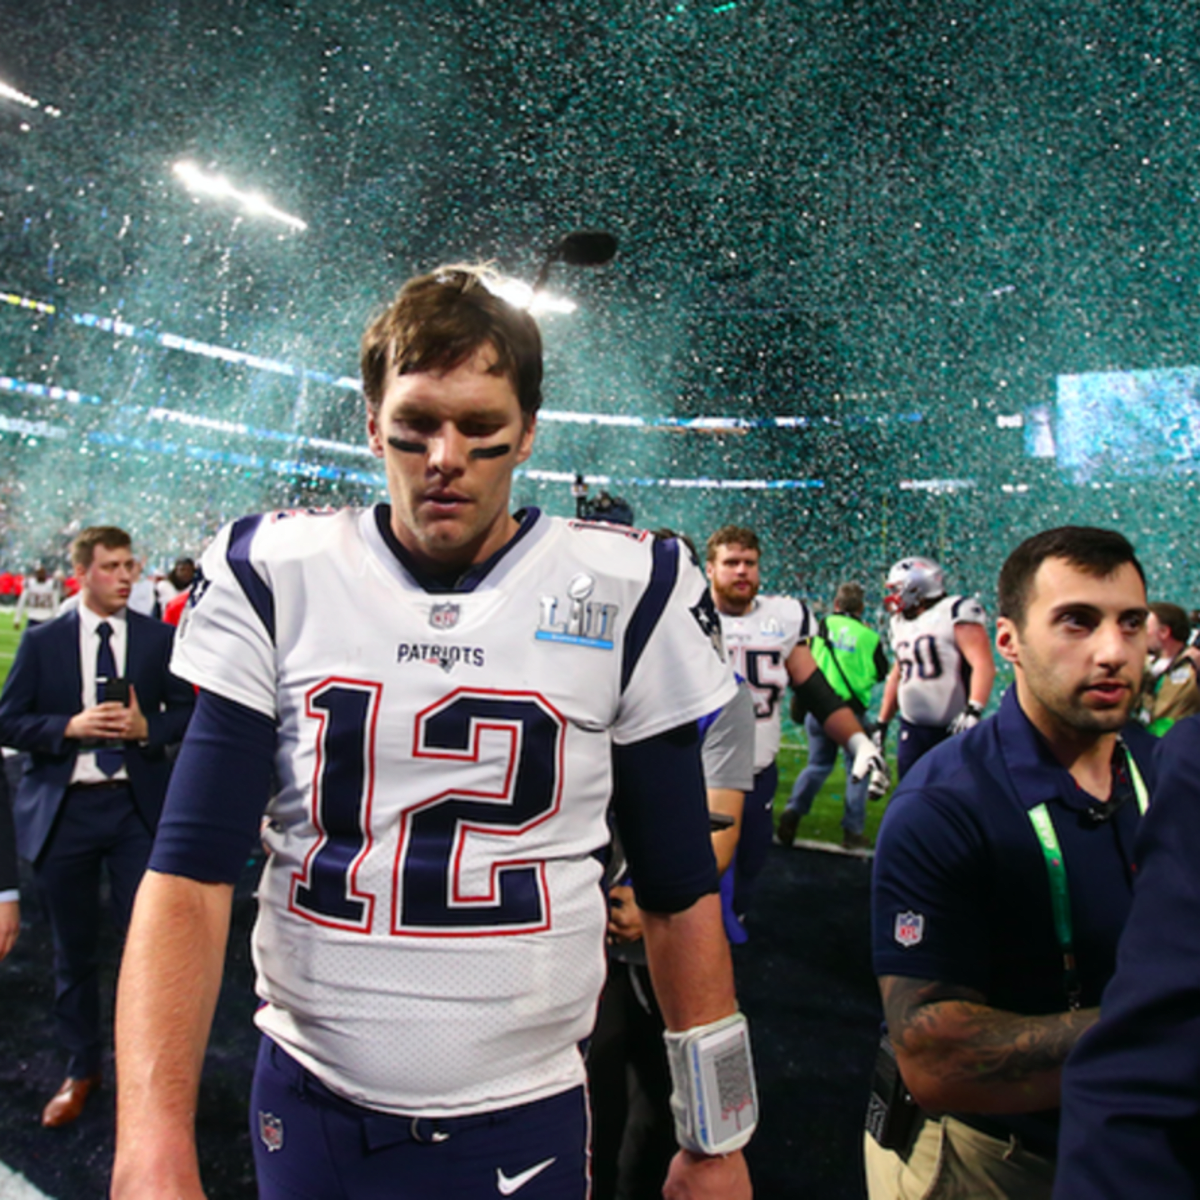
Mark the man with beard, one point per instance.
(1002, 882)
(768, 641)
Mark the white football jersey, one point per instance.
(39, 601)
(933, 674)
(430, 937)
(758, 644)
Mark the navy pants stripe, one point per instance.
(310, 1144)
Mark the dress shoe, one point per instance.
(69, 1100)
(855, 841)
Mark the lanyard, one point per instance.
(1060, 897)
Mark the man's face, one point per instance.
(450, 441)
(105, 582)
(734, 576)
(1079, 655)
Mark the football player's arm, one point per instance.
(175, 949)
(835, 714)
(880, 662)
(976, 648)
(170, 978)
(956, 1053)
(891, 694)
(726, 802)
(690, 965)
(836, 717)
(660, 807)
(727, 758)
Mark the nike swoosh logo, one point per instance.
(506, 1185)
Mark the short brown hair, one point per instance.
(731, 535)
(849, 599)
(1099, 552)
(83, 548)
(438, 321)
(1173, 619)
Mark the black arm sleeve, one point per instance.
(881, 662)
(661, 810)
(817, 697)
(218, 792)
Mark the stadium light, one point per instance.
(254, 204)
(521, 295)
(7, 92)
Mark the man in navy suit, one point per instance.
(92, 700)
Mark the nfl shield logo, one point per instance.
(910, 928)
(270, 1129)
(444, 616)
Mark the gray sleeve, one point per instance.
(728, 749)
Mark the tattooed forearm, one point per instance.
(958, 1053)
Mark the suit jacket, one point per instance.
(43, 692)
(8, 839)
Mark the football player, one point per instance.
(434, 701)
(943, 672)
(767, 638)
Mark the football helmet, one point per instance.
(910, 581)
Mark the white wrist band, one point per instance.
(714, 1099)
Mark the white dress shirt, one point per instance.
(86, 770)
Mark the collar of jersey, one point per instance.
(473, 576)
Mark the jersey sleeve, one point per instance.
(927, 906)
(226, 639)
(966, 610)
(727, 752)
(674, 667)
(808, 625)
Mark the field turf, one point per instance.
(824, 821)
(9, 637)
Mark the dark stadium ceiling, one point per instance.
(838, 212)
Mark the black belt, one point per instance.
(109, 785)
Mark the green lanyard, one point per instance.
(1060, 897)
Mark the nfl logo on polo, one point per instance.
(444, 616)
(270, 1129)
(910, 928)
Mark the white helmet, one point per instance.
(910, 581)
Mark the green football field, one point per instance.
(9, 637)
(823, 824)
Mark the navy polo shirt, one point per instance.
(961, 894)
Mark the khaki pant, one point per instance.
(952, 1161)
